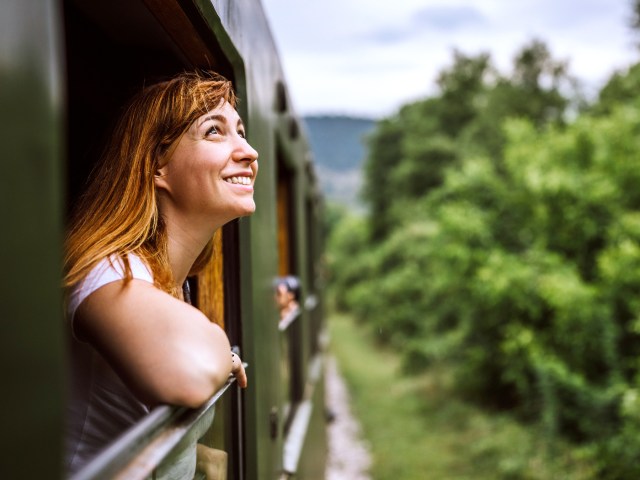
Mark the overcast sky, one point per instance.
(368, 57)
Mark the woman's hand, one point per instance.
(237, 370)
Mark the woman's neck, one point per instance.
(185, 242)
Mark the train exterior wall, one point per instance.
(31, 345)
(253, 54)
(32, 116)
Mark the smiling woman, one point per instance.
(168, 180)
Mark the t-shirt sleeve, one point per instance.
(107, 271)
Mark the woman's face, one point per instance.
(212, 169)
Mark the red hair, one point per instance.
(118, 213)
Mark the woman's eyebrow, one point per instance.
(219, 118)
(222, 119)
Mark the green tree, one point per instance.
(634, 22)
(504, 240)
(621, 88)
(378, 190)
(460, 88)
(409, 152)
(539, 89)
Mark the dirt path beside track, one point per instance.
(349, 457)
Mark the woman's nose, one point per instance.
(245, 152)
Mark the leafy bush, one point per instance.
(523, 270)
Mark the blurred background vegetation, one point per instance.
(501, 242)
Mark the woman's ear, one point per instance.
(159, 178)
(162, 170)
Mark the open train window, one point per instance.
(113, 48)
(286, 237)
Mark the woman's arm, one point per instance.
(165, 350)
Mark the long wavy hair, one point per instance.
(118, 214)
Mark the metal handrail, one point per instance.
(143, 447)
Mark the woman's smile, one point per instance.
(238, 180)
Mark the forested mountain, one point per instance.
(338, 145)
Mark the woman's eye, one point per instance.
(242, 134)
(212, 130)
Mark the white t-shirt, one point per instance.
(100, 406)
(105, 272)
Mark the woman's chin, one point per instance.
(247, 209)
(250, 211)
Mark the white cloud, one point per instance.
(368, 57)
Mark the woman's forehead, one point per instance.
(223, 112)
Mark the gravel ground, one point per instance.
(349, 457)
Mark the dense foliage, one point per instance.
(504, 239)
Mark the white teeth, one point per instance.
(239, 180)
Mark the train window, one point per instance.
(285, 222)
(113, 48)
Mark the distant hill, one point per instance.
(338, 145)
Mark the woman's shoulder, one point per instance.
(109, 269)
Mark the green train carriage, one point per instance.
(66, 68)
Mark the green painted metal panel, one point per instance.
(246, 38)
(31, 342)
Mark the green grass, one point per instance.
(418, 429)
